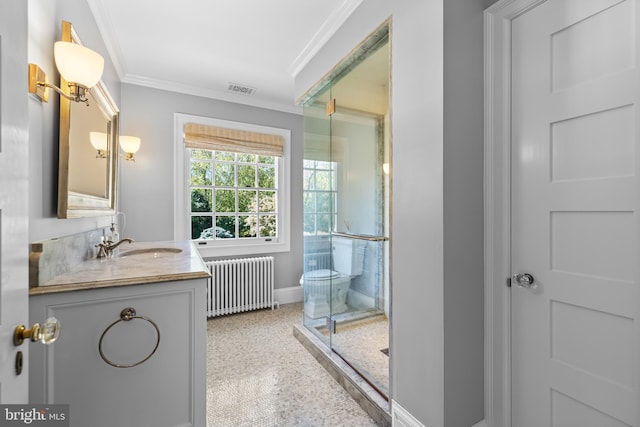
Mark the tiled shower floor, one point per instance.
(258, 374)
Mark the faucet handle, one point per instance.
(102, 253)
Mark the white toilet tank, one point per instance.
(348, 255)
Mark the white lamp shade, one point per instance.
(78, 64)
(129, 144)
(98, 140)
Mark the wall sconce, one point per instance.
(99, 142)
(385, 168)
(130, 145)
(81, 67)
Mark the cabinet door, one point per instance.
(168, 389)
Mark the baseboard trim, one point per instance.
(288, 295)
(402, 418)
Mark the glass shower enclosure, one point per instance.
(346, 211)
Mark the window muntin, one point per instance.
(233, 195)
(320, 197)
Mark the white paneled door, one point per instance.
(14, 141)
(575, 215)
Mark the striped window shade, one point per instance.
(205, 137)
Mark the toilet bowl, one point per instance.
(325, 291)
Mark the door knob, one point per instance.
(525, 280)
(46, 333)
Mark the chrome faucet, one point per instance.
(107, 247)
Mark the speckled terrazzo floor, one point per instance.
(258, 374)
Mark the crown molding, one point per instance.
(106, 29)
(337, 18)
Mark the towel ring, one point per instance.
(126, 315)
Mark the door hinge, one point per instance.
(331, 325)
(331, 107)
(508, 282)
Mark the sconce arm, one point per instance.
(79, 94)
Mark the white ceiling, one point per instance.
(201, 46)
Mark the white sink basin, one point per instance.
(151, 252)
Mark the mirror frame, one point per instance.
(72, 204)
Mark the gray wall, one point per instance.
(436, 263)
(463, 212)
(45, 17)
(146, 186)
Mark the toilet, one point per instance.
(348, 261)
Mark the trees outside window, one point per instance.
(233, 195)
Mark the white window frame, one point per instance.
(182, 200)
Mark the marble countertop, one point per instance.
(136, 263)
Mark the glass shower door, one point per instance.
(360, 323)
(361, 140)
(346, 214)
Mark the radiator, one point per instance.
(238, 285)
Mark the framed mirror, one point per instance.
(86, 176)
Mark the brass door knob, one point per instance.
(46, 333)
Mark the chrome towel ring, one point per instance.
(126, 315)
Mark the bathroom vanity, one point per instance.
(132, 346)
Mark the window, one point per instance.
(232, 188)
(319, 197)
(233, 195)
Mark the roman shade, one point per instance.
(205, 137)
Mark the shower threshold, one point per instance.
(367, 395)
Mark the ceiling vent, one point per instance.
(241, 89)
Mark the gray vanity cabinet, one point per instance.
(167, 389)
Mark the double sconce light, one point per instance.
(82, 69)
(129, 144)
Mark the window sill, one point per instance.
(219, 250)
